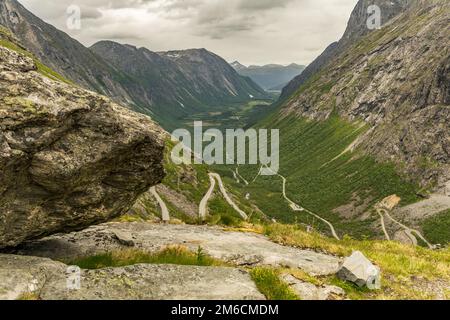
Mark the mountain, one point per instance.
(159, 85)
(62, 53)
(356, 28)
(269, 77)
(373, 122)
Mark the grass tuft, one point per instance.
(269, 283)
(172, 255)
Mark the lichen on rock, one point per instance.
(69, 158)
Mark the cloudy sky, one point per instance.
(251, 31)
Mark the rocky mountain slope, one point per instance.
(69, 158)
(179, 83)
(356, 29)
(271, 77)
(396, 81)
(61, 53)
(157, 85)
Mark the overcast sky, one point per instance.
(251, 31)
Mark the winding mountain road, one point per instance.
(383, 225)
(241, 177)
(408, 231)
(213, 177)
(228, 199)
(164, 210)
(295, 207)
(204, 203)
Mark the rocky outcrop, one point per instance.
(356, 29)
(359, 270)
(39, 278)
(237, 248)
(69, 158)
(396, 80)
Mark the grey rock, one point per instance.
(359, 270)
(309, 291)
(48, 281)
(69, 158)
(238, 248)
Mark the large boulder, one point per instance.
(69, 158)
(359, 270)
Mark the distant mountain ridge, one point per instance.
(271, 77)
(157, 85)
(356, 29)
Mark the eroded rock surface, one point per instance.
(309, 291)
(69, 158)
(238, 248)
(47, 280)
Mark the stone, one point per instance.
(308, 291)
(69, 158)
(237, 248)
(48, 280)
(359, 270)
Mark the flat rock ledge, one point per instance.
(237, 248)
(48, 280)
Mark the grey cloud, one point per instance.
(252, 31)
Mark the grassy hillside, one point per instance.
(322, 178)
(190, 183)
(437, 228)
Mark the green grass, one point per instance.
(321, 178)
(171, 255)
(269, 283)
(437, 228)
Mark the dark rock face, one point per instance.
(356, 29)
(69, 158)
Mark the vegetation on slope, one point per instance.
(437, 228)
(321, 177)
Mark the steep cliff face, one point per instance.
(69, 158)
(356, 29)
(396, 80)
